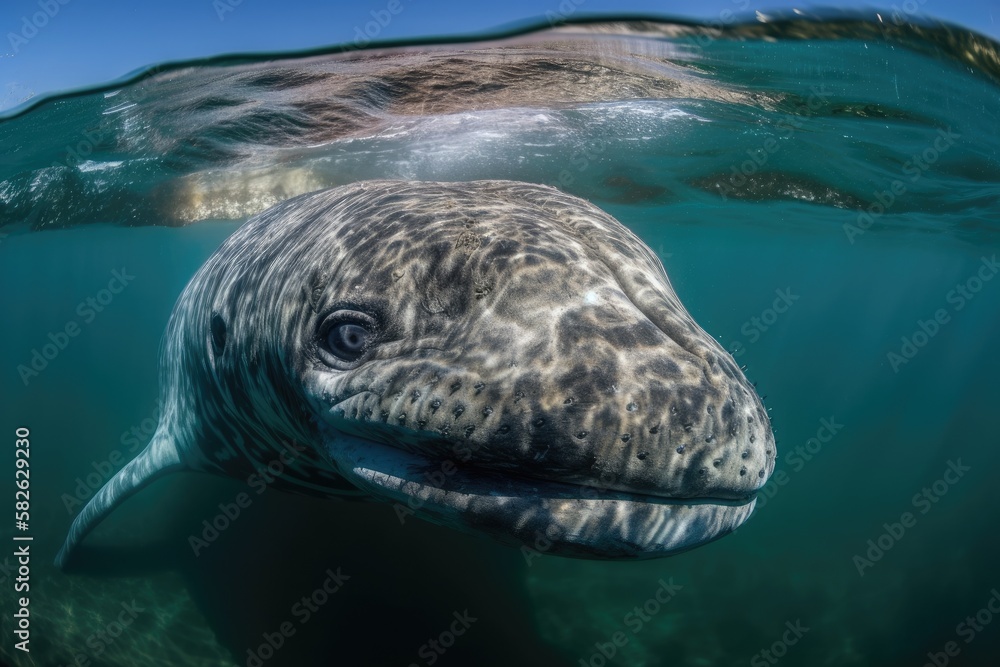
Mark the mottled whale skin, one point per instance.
(516, 364)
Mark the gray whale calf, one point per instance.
(494, 356)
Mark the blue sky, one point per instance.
(53, 45)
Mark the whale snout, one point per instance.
(624, 396)
(686, 434)
(681, 435)
(667, 457)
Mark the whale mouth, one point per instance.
(542, 516)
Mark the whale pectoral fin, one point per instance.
(159, 457)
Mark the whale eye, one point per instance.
(347, 335)
(348, 340)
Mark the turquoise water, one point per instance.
(825, 198)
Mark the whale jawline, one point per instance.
(576, 520)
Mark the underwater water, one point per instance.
(825, 197)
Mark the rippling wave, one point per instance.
(822, 111)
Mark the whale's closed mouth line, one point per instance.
(573, 490)
(379, 463)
